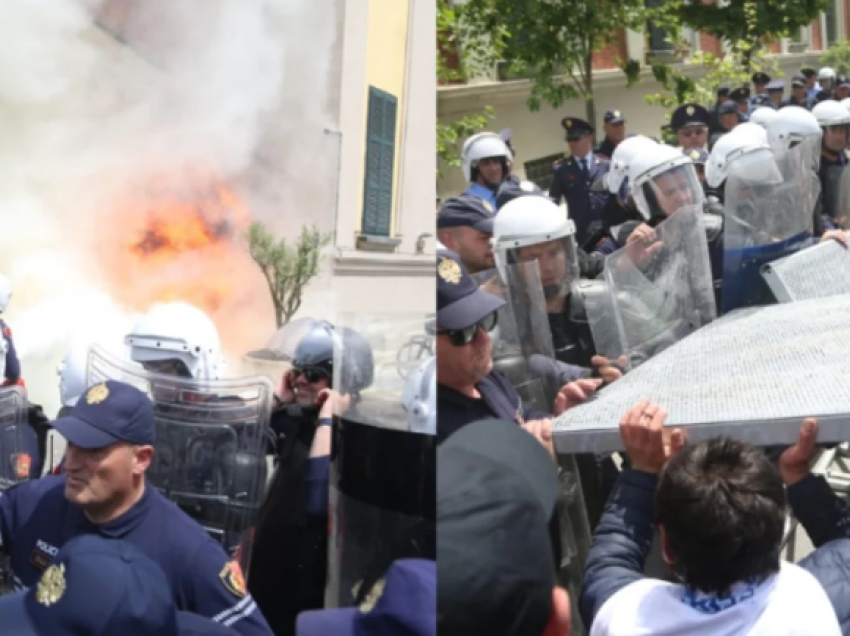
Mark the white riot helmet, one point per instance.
(750, 128)
(762, 116)
(792, 125)
(740, 152)
(826, 73)
(484, 145)
(624, 153)
(420, 398)
(72, 373)
(523, 227)
(177, 331)
(5, 293)
(664, 181)
(831, 113)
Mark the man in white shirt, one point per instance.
(720, 508)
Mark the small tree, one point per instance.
(552, 42)
(469, 59)
(288, 269)
(837, 57)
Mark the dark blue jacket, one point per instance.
(621, 542)
(36, 520)
(826, 519)
(13, 365)
(498, 399)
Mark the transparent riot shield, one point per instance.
(211, 439)
(536, 374)
(600, 312)
(383, 474)
(18, 447)
(842, 207)
(662, 291)
(766, 217)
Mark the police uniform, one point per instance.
(742, 96)
(36, 519)
(687, 115)
(572, 182)
(759, 79)
(777, 86)
(101, 586)
(798, 81)
(607, 147)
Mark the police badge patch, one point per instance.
(51, 587)
(231, 577)
(97, 394)
(449, 270)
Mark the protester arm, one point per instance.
(823, 514)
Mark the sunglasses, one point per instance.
(312, 375)
(462, 337)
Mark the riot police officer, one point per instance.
(486, 162)
(834, 120)
(574, 178)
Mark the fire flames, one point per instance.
(182, 239)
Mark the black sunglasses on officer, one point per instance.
(463, 337)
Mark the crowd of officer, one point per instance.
(190, 501)
(520, 274)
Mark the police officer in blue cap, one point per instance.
(798, 95)
(465, 225)
(760, 82)
(101, 587)
(728, 116)
(614, 123)
(690, 122)
(741, 97)
(574, 178)
(404, 601)
(775, 91)
(110, 437)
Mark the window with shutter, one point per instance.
(380, 158)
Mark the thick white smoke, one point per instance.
(98, 99)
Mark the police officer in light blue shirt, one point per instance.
(485, 161)
(110, 435)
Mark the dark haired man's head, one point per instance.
(720, 505)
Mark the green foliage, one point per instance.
(288, 269)
(745, 25)
(475, 54)
(551, 42)
(451, 136)
(837, 57)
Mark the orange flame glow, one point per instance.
(184, 239)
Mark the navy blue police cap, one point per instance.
(511, 190)
(688, 114)
(727, 107)
(460, 301)
(808, 71)
(722, 91)
(403, 602)
(697, 155)
(94, 586)
(576, 128)
(842, 80)
(496, 495)
(761, 78)
(613, 117)
(776, 85)
(107, 413)
(467, 210)
(740, 94)
(798, 81)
